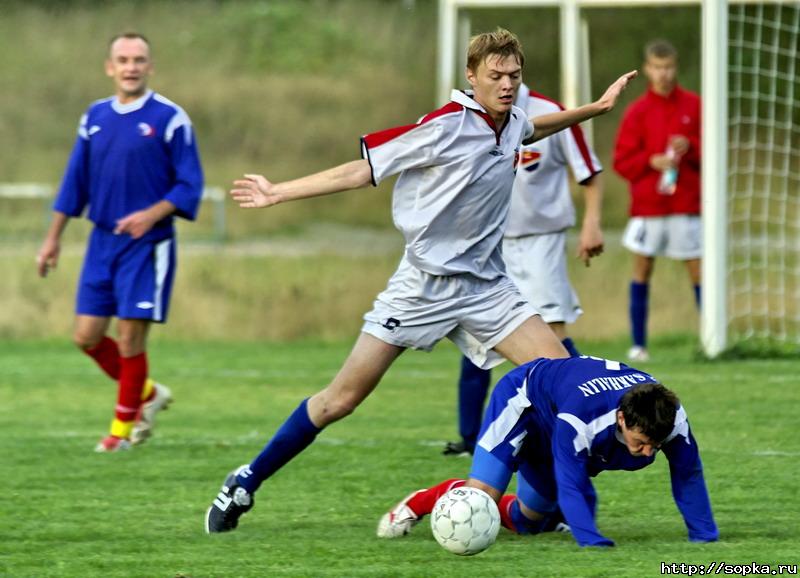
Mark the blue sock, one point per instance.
(523, 524)
(697, 295)
(640, 295)
(473, 385)
(569, 345)
(296, 433)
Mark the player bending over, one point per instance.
(450, 202)
(559, 422)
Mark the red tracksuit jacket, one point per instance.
(646, 127)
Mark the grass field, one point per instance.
(66, 511)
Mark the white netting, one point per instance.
(764, 172)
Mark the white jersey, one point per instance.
(541, 200)
(452, 198)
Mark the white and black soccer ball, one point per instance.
(465, 521)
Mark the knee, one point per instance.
(86, 340)
(129, 345)
(341, 406)
(327, 407)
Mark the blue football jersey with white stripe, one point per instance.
(573, 403)
(128, 157)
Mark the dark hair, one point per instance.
(660, 49)
(651, 408)
(500, 42)
(131, 35)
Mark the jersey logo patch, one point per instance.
(145, 305)
(530, 160)
(145, 129)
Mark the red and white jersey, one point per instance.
(456, 173)
(541, 201)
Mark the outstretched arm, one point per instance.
(548, 124)
(255, 191)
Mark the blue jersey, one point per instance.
(564, 411)
(128, 157)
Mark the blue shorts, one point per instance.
(513, 440)
(126, 278)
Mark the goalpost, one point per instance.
(751, 268)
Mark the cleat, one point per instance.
(146, 418)
(399, 521)
(112, 444)
(638, 353)
(458, 449)
(231, 502)
(557, 524)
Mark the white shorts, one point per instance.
(417, 310)
(538, 266)
(675, 236)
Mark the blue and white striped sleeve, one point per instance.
(187, 190)
(576, 496)
(73, 195)
(688, 484)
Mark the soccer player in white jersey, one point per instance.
(558, 423)
(133, 169)
(534, 244)
(450, 201)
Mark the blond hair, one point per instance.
(500, 42)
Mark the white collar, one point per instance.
(466, 98)
(130, 106)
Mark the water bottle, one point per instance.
(669, 177)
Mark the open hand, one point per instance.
(254, 192)
(609, 99)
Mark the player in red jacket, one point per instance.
(658, 153)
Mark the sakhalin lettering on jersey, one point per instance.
(601, 384)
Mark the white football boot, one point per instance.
(398, 522)
(147, 413)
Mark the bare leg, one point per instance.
(132, 336)
(560, 329)
(361, 372)
(643, 267)
(89, 330)
(531, 340)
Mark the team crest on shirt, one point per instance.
(145, 129)
(529, 160)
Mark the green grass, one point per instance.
(66, 511)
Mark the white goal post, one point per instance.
(715, 317)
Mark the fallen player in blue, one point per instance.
(559, 422)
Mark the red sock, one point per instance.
(106, 354)
(132, 375)
(423, 501)
(505, 512)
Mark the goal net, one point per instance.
(763, 270)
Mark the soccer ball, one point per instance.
(465, 521)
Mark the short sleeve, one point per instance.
(394, 150)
